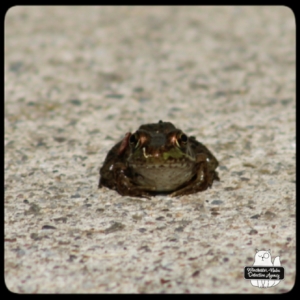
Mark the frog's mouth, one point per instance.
(173, 157)
(173, 153)
(161, 171)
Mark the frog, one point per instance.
(158, 158)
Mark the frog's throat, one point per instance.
(173, 153)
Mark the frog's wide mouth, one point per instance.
(172, 157)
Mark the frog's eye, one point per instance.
(183, 138)
(133, 140)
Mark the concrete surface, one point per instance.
(78, 78)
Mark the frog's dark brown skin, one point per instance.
(158, 158)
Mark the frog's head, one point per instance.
(158, 144)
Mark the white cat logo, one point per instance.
(263, 258)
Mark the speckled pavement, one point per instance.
(78, 78)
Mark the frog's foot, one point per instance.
(126, 187)
(122, 183)
(133, 191)
(212, 176)
(190, 189)
(203, 180)
(216, 176)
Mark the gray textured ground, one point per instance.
(78, 78)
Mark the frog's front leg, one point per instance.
(203, 180)
(124, 184)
